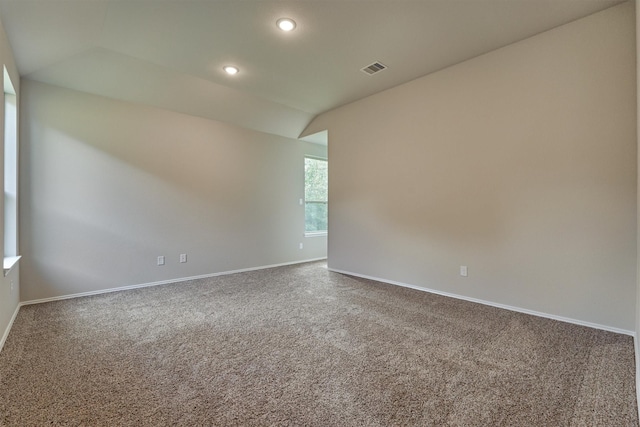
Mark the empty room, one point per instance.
(319, 213)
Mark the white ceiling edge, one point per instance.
(321, 137)
(106, 73)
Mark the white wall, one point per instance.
(520, 164)
(9, 298)
(107, 186)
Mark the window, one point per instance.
(10, 170)
(316, 195)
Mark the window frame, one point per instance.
(10, 177)
(319, 233)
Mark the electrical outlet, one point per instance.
(161, 260)
(301, 246)
(463, 270)
(183, 257)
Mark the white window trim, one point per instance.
(9, 263)
(304, 202)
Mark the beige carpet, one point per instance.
(300, 346)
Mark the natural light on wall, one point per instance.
(10, 170)
(316, 196)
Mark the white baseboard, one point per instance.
(163, 282)
(8, 329)
(635, 345)
(492, 304)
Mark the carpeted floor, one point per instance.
(301, 346)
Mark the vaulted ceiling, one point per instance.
(170, 53)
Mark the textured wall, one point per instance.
(107, 186)
(520, 164)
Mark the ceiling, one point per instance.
(170, 53)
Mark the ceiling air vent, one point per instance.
(374, 68)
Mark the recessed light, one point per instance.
(230, 69)
(286, 24)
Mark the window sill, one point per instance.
(9, 263)
(315, 234)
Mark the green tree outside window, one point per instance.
(316, 195)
